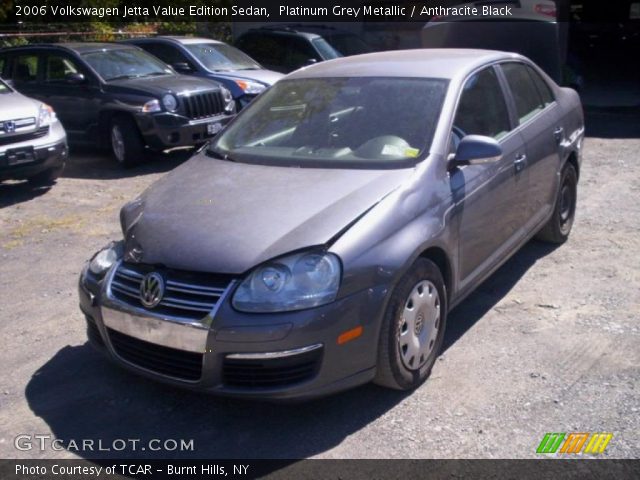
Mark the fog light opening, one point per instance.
(349, 335)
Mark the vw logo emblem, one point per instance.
(151, 290)
(9, 126)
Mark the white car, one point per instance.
(33, 143)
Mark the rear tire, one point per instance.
(413, 328)
(46, 178)
(558, 228)
(126, 143)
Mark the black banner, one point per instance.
(320, 469)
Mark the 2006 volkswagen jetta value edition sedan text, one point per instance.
(320, 240)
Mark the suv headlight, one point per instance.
(170, 102)
(229, 103)
(152, 106)
(105, 258)
(46, 115)
(251, 88)
(294, 282)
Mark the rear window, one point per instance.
(525, 94)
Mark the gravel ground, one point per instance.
(550, 343)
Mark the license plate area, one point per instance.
(18, 156)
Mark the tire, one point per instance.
(46, 178)
(402, 365)
(126, 143)
(558, 228)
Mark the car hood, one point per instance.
(224, 217)
(16, 105)
(161, 85)
(267, 77)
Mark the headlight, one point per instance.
(170, 102)
(105, 258)
(151, 106)
(250, 88)
(294, 282)
(229, 103)
(46, 115)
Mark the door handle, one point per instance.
(520, 162)
(558, 134)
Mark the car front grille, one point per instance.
(6, 139)
(187, 295)
(203, 105)
(270, 373)
(157, 358)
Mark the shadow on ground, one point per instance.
(80, 395)
(95, 164)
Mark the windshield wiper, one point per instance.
(219, 155)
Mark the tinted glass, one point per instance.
(347, 44)
(166, 53)
(57, 68)
(125, 63)
(482, 109)
(299, 52)
(266, 49)
(543, 88)
(525, 93)
(4, 88)
(327, 51)
(25, 68)
(220, 57)
(337, 122)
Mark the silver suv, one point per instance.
(33, 143)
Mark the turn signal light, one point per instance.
(349, 335)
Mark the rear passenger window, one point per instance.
(25, 69)
(166, 53)
(525, 93)
(543, 88)
(482, 109)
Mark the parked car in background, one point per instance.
(119, 96)
(33, 143)
(320, 240)
(212, 59)
(285, 48)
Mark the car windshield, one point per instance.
(325, 49)
(221, 57)
(125, 63)
(347, 44)
(362, 122)
(4, 88)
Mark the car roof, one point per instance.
(176, 39)
(447, 63)
(283, 30)
(78, 47)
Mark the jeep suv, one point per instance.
(206, 58)
(119, 96)
(33, 144)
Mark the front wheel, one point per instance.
(558, 228)
(126, 143)
(413, 328)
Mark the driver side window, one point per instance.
(482, 109)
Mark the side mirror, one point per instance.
(74, 78)
(182, 67)
(476, 150)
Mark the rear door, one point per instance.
(489, 197)
(539, 124)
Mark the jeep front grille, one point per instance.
(186, 295)
(203, 105)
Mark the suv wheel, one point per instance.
(413, 328)
(558, 228)
(126, 144)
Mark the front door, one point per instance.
(490, 198)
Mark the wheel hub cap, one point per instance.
(419, 325)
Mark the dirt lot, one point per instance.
(550, 343)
